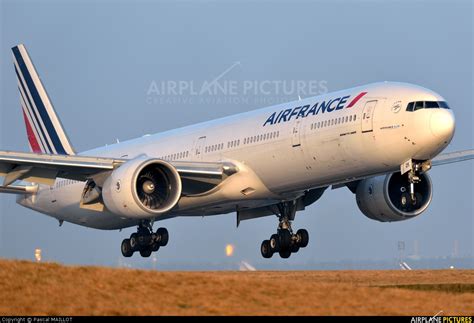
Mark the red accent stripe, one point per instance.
(31, 136)
(357, 98)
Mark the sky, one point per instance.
(112, 69)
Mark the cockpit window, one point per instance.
(431, 105)
(443, 105)
(418, 105)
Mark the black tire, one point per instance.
(285, 239)
(145, 252)
(134, 241)
(265, 249)
(303, 236)
(274, 243)
(285, 254)
(295, 248)
(144, 238)
(126, 249)
(155, 246)
(404, 199)
(407, 204)
(163, 236)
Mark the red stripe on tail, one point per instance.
(357, 98)
(31, 136)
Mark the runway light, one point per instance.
(229, 250)
(38, 254)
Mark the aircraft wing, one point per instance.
(453, 157)
(45, 168)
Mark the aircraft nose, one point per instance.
(442, 124)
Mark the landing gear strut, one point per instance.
(145, 240)
(285, 241)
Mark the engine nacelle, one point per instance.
(387, 198)
(142, 188)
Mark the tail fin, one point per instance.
(43, 127)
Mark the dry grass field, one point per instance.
(27, 288)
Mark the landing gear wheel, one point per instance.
(145, 252)
(415, 202)
(303, 237)
(295, 248)
(126, 249)
(134, 241)
(408, 203)
(275, 243)
(404, 199)
(144, 238)
(155, 246)
(162, 233)
(285, 254)
(285, 239)
(266, 249)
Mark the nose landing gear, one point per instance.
(412, 199)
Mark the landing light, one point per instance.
(38, 255)
(229, 250)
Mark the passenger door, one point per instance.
(367, 116)
(199, 148)
(295, 137)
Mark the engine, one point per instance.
(387, 198)
(142, 188)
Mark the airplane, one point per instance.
(378, 140)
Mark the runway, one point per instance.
(28, 288)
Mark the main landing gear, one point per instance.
(285, 241)
(145, 240)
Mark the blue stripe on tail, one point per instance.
(39, 103)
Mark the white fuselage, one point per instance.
(285, 153)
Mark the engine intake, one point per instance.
(142, 188)
(387, 198)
